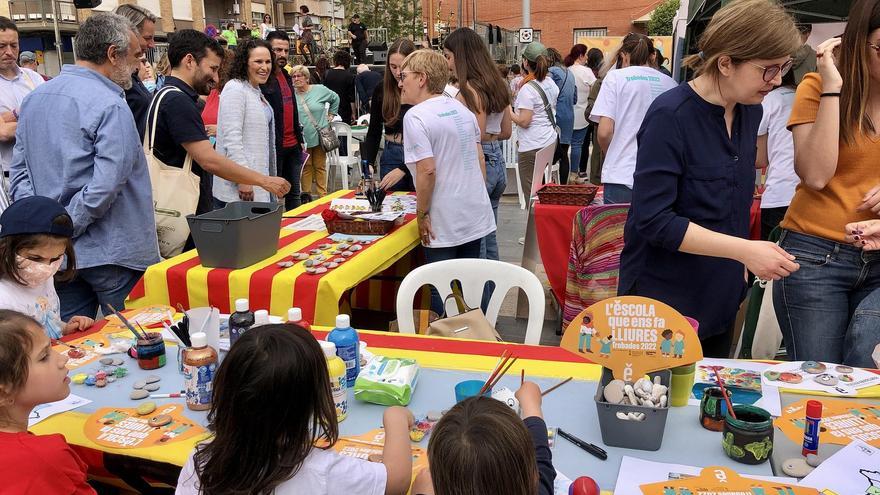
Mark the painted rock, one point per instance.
(152, 379)
(366, 242)
(285, 264)
(111, 379)
(310, 270)
(101, 375)
(159, 420)
(771, 375)
(75, 353)
(300, 256)
(315, 251)
(826, 379)
(101, 383)
(347, 254)
(375, 458)
(331, 265)
(355, 247)
(79, 378)
(117, 361)
(434, 415)
(790, 378)
(339, 260)
(146, 408)
(343, 246)
(846, 378)
(151, 387)
(138, 384)
(416, 435)
(309, 263)
(325, 247)
(120, 372)
(106, 361)
(90, 380)
(320, 270)
(813, 367)
(813, 460)
(139, 394)
(843, 369)
(796, 467)
(349, 239)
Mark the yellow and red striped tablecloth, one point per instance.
(183, 280)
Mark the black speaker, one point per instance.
(86, 4)
(378, 47)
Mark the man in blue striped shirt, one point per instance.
(77, 143)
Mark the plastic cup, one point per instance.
(470, 388)
(681, 385)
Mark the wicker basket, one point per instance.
(360, 227)
(570, 194)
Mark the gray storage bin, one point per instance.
(238, 235)
(641, 435)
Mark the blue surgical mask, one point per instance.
(150, 85)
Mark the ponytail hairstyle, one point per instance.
(577, 51)
(390, 89)
(539, 68)
(639, 47)
(744, 30)
(854, 62)
(595, 57)
(479, 82)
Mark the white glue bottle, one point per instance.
(337, 379)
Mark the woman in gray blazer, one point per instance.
(245, 123)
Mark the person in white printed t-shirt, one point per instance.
(620, 107)
(776, 151)
(442, 151)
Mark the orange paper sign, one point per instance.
(124, 428)
(717, 480)
(369, 447)
(633, 336)
(842, 422)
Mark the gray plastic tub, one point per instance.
(641, 435)
(238, 235)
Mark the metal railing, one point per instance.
(40, 11)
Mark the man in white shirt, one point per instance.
(15, 84)
(442, 151)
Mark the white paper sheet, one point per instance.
(860, 377)
(851, 470)
(44, 411)
(311, 222)
(635, 472)
(561, 484)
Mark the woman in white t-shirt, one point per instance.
(271, 412)
(583, 80)
(529, 112)
(626, 94)
(441, 146)
(266, 27)
(776, 151)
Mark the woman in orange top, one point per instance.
(836, 147)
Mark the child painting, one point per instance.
(666, 345)
(678, 346)
(585, 340)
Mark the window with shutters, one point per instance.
(589, 33)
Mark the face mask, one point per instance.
(35, 273)
(150, 85)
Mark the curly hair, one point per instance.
(239, 67)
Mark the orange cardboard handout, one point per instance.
(842, 422)
(717, 480)
(124, 428)
(633, 336)
(369, 447)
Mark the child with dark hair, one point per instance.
(33, 374)
(272, 403)
(481, 446)
(35, 240)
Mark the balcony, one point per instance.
(31, 15)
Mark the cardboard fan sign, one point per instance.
(718, 480)
(633, 336)
(842, 422)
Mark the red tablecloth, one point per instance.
(553, 227)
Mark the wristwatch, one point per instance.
(422, 214)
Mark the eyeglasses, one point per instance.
(771, 72)
(403, 75)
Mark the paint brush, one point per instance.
(502, 373)
(504, 357)
(126, 323)
(554, 387)
(724, 391)
(522, 376)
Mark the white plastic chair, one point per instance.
(473, 275)
(543, 162)
(511, 160)
(342, 163)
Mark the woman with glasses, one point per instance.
(620, 108)
(312, 100)
(386, 117)
(687, 231)
(836, 150)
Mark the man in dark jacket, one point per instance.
(278, 90)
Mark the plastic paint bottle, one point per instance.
(295, 316)
(338, 381)
(811, 430)
(199, 365)
(347, 347)
(261, 317)
(240, 321)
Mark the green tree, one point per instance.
(399, 17)
(660, 23)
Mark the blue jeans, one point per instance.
(98, 285)
(467, 250)
(496, 182)
(864, 332)
(815, 305)
(577, 144)
(392, 157)
(616, 194)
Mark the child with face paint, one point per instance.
(35, 240)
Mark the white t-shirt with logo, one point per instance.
(583, 81)
(781, 178)
(40, 303)
(444, 129)
(493, 120)
(540, 132)
(624, 98)
(323, 472)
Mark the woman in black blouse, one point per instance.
(387, 112)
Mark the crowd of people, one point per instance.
(79, 224)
